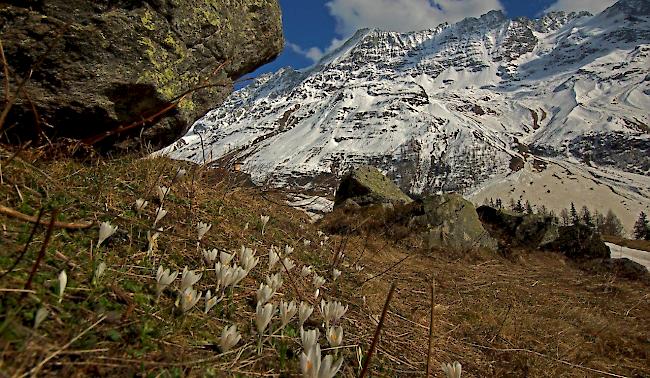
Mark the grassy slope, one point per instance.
(530, 314)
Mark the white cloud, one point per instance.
(593, 6)
(404, 15)
(394, 15)
(316, 53)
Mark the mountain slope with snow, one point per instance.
(456, 108)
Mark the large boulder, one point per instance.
(524, 230)
(113, 63)
(365, 186)
(578, 242)
(453, 223)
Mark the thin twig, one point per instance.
(48, 235)
(430, 351)
(38, 367)
(6, 71)
(295, 287)
(174, 103)
(387, 270)
(31, 219)
(547, 357)
(29, 241)
(375, 338)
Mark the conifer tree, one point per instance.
(574, 214)
(641, 227)
(585, 216)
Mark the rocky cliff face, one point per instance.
(113, 62)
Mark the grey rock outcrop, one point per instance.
(366, 185)
(578, 242)
(453, 223)
(112, 63)
(527, 230)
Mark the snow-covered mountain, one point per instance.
(456, 108)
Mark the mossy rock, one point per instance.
(453, 223)
(115, 62)
(524, 230)
(365, 186)
(578, 242)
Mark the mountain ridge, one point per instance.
(453, 108)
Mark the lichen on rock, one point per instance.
(115, 62)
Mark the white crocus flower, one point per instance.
(246, 226)
(452, 371)
(227, 276)
(332, 311)
(334, 336)
(264, 219)
(305, 271)
(247, 258)
(189, 299)
(210, 257)
(264, 293)
(152, 241)
(274, 257)
(249, 262)
(288, 263)
(287, 312)
(160, 214)
(99, 270)
(358, 268)
(304, 312)
(237, 274)
(310, 362)
(189, 278)
(162, 192)
(140, 204)
(309, 338)
(306, 242)
(106, 230)
(288, 250)
(335, 274)
(63, 281)
(263, 315)
(229, 338)
(202, 229)
(275, 281)
(225, 258)
(210, 301)
(316, 293)
(329, 368)
(245, 252)
(164, 278)
(318, 281)
(41, 315)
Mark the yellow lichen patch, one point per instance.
(147, 20)
(171, 43)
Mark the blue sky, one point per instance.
(313, 27)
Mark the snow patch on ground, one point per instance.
(638, 256)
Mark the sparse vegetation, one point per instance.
(530, 313)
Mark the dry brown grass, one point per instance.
(532, 314)
(643, 245)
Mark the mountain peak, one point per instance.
(451, 109)
(631, 7)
